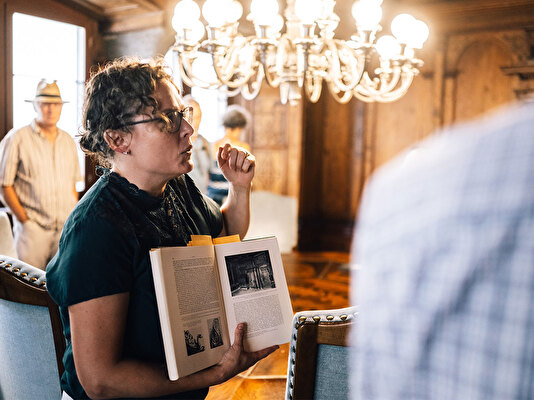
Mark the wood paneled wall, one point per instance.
(275, 136)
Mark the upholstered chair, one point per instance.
(31, 338)
(319, 355)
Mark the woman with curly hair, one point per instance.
(135, 122)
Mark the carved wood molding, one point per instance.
(524, 88)
(524, 72)
(516, 43)
(468, 16)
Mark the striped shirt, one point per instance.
(43, 174)
(446, 286)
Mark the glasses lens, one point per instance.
(188, 115)
(173, 119)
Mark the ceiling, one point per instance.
(133, 15)
(124, 15)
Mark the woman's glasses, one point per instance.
(172, 119)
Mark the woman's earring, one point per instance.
(126, 152)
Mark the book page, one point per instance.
(255, 291)
(191, 308)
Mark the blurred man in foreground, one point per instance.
(446, 287)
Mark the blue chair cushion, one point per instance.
(26, 344)
(332, 373)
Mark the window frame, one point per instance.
(52, 10)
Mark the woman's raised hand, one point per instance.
(237, 165)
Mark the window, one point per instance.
(43, 48)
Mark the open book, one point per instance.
(204, 290)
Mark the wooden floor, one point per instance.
(317, 281)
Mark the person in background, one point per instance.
(446, 286)
(39, 169)
(201, 157)
(235, 121)
(136, 123)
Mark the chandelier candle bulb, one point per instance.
(236, 11)
(264, 12)
(304, 56)
(402, 26)
(216, 12)
(367, 14)
(419, 35)
(388, 47)
(187, 10)
(308, 11)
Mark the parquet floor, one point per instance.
(316, 281)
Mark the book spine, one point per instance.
(164, 317)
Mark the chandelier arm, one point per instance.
(188, 77)
(256, 85)
(313, 89)
(188, 80)
(378, 86)
(219, 73)
(227, 71)
(356, 65)
(230, 93)
(227, 81)
(272, 79)
(233, 53)
(388, 81)
(406, 81)
(383, 96)
(344, 99)
(363, 97)
(366, 85)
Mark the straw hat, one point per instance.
(47, 93)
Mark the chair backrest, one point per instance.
(7, 243)
(31, 337)
(319, 355)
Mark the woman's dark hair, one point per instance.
(235, 117)
(116, 93)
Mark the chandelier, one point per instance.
(370, 68)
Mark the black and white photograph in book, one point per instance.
(215, 332)
(193, 342)
(250, 272)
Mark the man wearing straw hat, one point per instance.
(38, 172)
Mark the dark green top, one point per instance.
(104, 250)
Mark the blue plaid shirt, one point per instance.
(445, 240)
